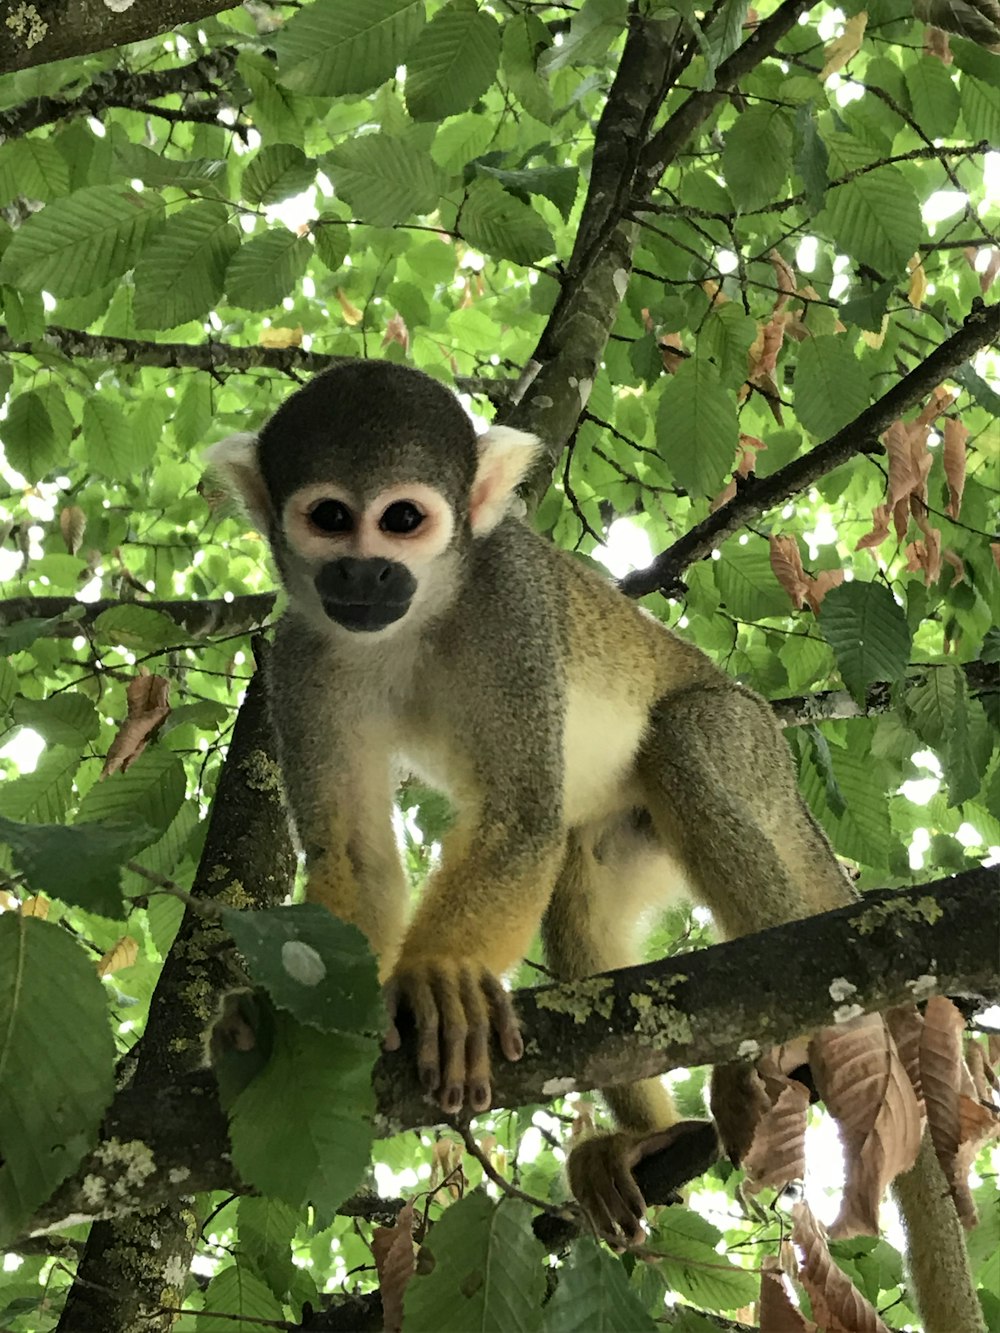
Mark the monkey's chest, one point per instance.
(602, 733)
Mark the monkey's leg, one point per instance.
(476, 918)
(722, 791)
(594, 923)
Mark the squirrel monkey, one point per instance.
(596, 761)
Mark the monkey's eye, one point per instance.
(331, 517)
(401, 518)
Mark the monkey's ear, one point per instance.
(505, 455)
(235, 460)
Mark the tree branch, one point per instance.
(698, 1008)
(209, 355)
(981, 327)
(59, 29)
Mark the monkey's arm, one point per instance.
(339, 786)
(476, 919)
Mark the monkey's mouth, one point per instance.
(365, 617)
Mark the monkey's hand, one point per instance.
(603, 1170)
(455, 1006)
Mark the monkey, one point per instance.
(597, 762)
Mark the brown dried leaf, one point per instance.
(845, 47)
(72, 525)
(906, 1023)
(958, 1124)
(995, 551)
(993, 1044)
(775, 1310)
(936, 44)
(352, 315)
(866, 1089)
(396, 332)
(36, 906)
(395, 1262)
(778, 1149)
(925, 555)
(880, 529)
(820, 585)
(836, 1302)
(787, 566)
(955, 436)
(147, 700)
(990, 272)
(785, 275)
(122, 953)
(762, 358)
(957, 564)
(918, 282)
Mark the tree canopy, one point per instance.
(737, 268)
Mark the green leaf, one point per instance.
(461, 140)
(265, 270)
(811, 157)
(980, 110)
(138, 627)
(746, 582)
(875, 217)
(556, 183)
(42, 797)
(498, 224)
(81, 866)
(61, 719)
(696, 427)
(317, 967)
(147, 795)
(384, 179)
(194, 413)
(452, 62)
(973, 59)
(868, 633)
(831, 385)
(8, 685)
(266, 1230)
(594, 1296)
(28, 437)
(692, 1266)
(278, 170)
(181, 272)
(81, 241)
(755, 157)
(237, 1298)
(112, 448)
(525, 37)
(866, 309)
(58, 1076)
(863, 832)
(726, 337)
(943, 716)
(933, 96)
(593, 31)
(332, 47)
(332, 240)
(32, 167)
(488, 1271)
(325, 1130)
(155, 169)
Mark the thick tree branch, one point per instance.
(59, 29)
(698, 1008)
(121, 88)
(981, 327)
(130, 1269)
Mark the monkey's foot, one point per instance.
(602, 1174)
(455, 1006)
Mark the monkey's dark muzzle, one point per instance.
(365, 594)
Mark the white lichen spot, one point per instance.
(620, 280)
(25, 22)
(178, 1174)
(175, 1272)
(923, 987)
(94, 1190)
(541, 400)
(584, 388)
(131, 1162)
(302, 963)
(841, 989)
(748, 1050)
(119, 6)
(846, 1013)
(558, 1087)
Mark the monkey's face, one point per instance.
(367, 560)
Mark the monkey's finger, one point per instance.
(477, 1044)
(390, 996)
(425, 1012)
(503, 1017)
(454, 1030)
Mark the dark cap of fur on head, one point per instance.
(370, 422)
